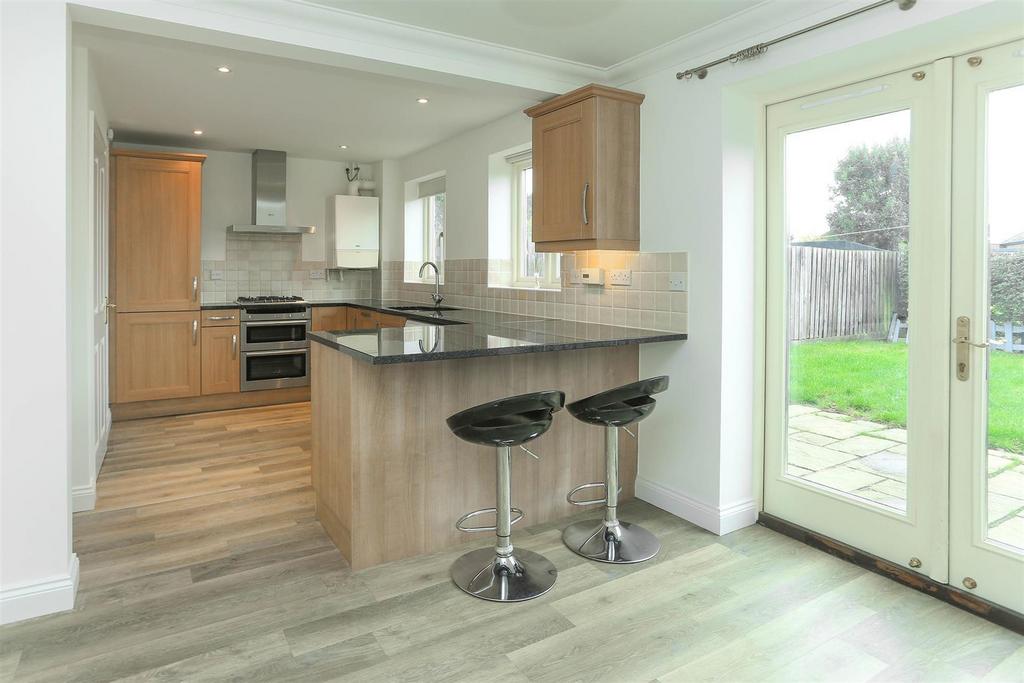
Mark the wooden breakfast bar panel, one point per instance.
(391, 479)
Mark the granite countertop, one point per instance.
(465, 333)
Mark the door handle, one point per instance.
(195, 287)
(586, 191)
(195, 332)
(221, 317)
(106, 309)
(234, 346)
(963, 348)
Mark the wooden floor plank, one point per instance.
(204, 561)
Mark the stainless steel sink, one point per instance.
(423, 308)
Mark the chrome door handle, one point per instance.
(234, 346)
(586, 191)
(195, 332)
(221, 317)
(195, 287)
(963, 347)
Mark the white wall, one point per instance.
(464, 160)
(86, 448)
(38, 572)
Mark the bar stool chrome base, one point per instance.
(521, 576)
(622, 543)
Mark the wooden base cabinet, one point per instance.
(158, 356)
(221, 367)
(330, 317)
(586, 170)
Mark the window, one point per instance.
(529, 269)
(425, 210)
(433, 227)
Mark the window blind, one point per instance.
(428, 188)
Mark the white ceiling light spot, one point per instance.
(422, 100)
(224, 69)
(197, 132)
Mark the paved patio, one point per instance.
(869, 460)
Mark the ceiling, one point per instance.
(599, 33)
(158, 90)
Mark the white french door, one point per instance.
(856, 446)
(987, 393)
(893, 229)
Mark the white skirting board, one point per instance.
(83, 498)
(718, 520)
(44, 597)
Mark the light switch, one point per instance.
(592, 276)
(678, 282)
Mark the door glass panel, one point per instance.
(847, 207)
(1004, 209)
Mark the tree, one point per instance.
(1006, 280)
(872, 195)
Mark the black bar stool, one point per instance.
(612, 540)
(498, 574)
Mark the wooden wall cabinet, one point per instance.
(220, 362)
(331, 317)
(586, 170)
(156, 212)
(158, 355)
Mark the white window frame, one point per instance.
(432, 251)
(552, 278)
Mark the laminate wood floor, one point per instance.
(203, 561)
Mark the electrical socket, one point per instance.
(678, 282)
(623, 278)
(216, 274)
(317, 275)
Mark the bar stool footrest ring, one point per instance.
(517, 515)
(594, 501)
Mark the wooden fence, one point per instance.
(1001, 336)
(840, 293)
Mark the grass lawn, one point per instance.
(868, 379)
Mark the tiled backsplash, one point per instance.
(261, 264)
(646, 302)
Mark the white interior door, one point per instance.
(987, 416)
(100, 349)
(856, 441)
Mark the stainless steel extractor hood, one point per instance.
(268, 196)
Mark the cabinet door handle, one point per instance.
(195, 287)
(234, 346)
(586, 191)
(221, 317)
(195, 332)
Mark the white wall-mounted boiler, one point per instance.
(352, 235)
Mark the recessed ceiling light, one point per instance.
(224, 69)
(343, 146)
(423, 100)
(197, 132)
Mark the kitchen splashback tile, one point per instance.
(479, 283)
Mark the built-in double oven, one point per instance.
(275, 343)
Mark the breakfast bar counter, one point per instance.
(389, 477)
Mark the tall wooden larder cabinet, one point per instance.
(156, 207)
(586, 170)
